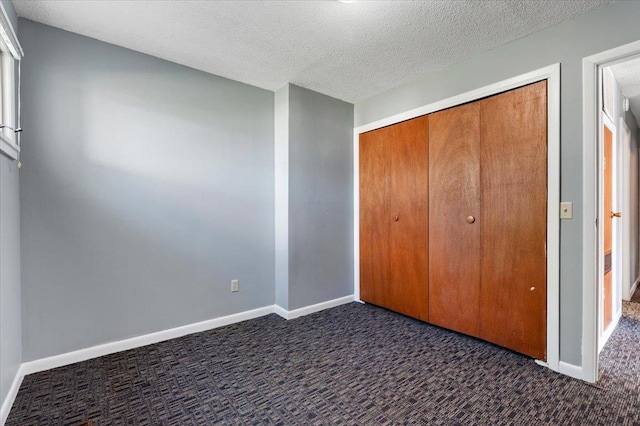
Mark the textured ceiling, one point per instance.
(627, 75)
(350, 51)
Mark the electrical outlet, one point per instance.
(235, 286)
(566, 210)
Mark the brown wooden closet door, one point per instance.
(393, 217)
(454, 201)
(513, 308)
(408, 217)
(374, 223)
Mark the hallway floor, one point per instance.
(619, 360)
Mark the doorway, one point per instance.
(610, 253)
(611, 134)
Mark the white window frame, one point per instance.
(10, 55)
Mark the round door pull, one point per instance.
(471, 219)
(396, 218)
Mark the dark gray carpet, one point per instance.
(351, 365)
(620, 358)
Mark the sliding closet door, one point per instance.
(513, 308)
(393, 217)
(454, 218)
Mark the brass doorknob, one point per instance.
(396, 218)
(616, 214)
(471, 219)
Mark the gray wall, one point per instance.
(146, 188)
(10, 293)
(10, 304)
(568, 43)
(281, 162)
(320, 198)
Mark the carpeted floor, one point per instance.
(619, 360)
(351, 365)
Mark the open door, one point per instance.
(609, 292)
(609, 214)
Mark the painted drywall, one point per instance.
(566, 43)
(320, 198)
(10, 292)
(10, 303)
(146, 188)
(281, 164)
(634, 202)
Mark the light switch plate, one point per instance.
(566, 210)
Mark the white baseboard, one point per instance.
(136, 342)
(570, 370)
(11, 396)
(61, 360)
(279, 310)
(312, 308)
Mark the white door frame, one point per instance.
(552, 75)
(624, 139)
(590, 132)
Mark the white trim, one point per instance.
(608, 93)
(550, 73)
(55, 361)
(11, 395)
(589, 227)
(542, 363)
(280, 311)
(8, 35)
(9, 96)
(553, 218)
(570, 370)
(9, 148)
(590, 205)
(148, 339)
(624, 140)
(492, 89)
(8, 138)
(48, 363)
(311, 309)
(356, 215)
